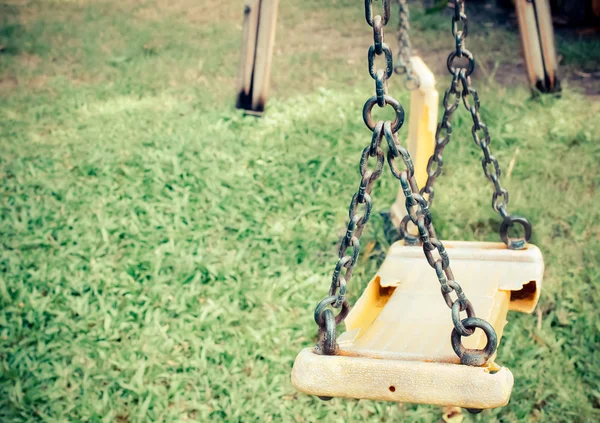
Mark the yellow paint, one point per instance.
(371, 302)
(417, 382)
(422, 120)
(422, 123)
(401, 323)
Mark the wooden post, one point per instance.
(422, 124)
(537, 38)
(251, 11)
(260, 21)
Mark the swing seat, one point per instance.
(397, 341)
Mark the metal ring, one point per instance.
(465, 53)
(405, 233)
(389, 61)
(457, 307)
(329, 301)
(368, 107)
(327, 344)
(515, 243)
(475, 357)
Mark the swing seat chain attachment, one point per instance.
(461, 75)
(418, 212)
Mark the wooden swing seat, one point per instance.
(397, 341)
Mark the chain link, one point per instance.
(404, 67)
(344, 267)
(443, 133)
(419, 214)
(403, 63)
(417, 209)
(461, 88)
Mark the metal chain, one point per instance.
(435, 165)
(461, 74)
(362, 198)
(403, 63)
(418, 212)
(412, 82)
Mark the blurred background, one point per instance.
(161, 252)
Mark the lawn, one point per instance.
(161, 254)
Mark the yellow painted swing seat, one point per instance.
(397, 341)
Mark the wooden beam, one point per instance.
(265, 42)
(537, 39)
(251, 13)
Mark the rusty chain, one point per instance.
(403, 63)
(418, 212)
(362, 198)
(461, 75)
(435, 165)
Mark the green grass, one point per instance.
(161, 254)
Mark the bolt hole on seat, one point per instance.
(427, 327)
